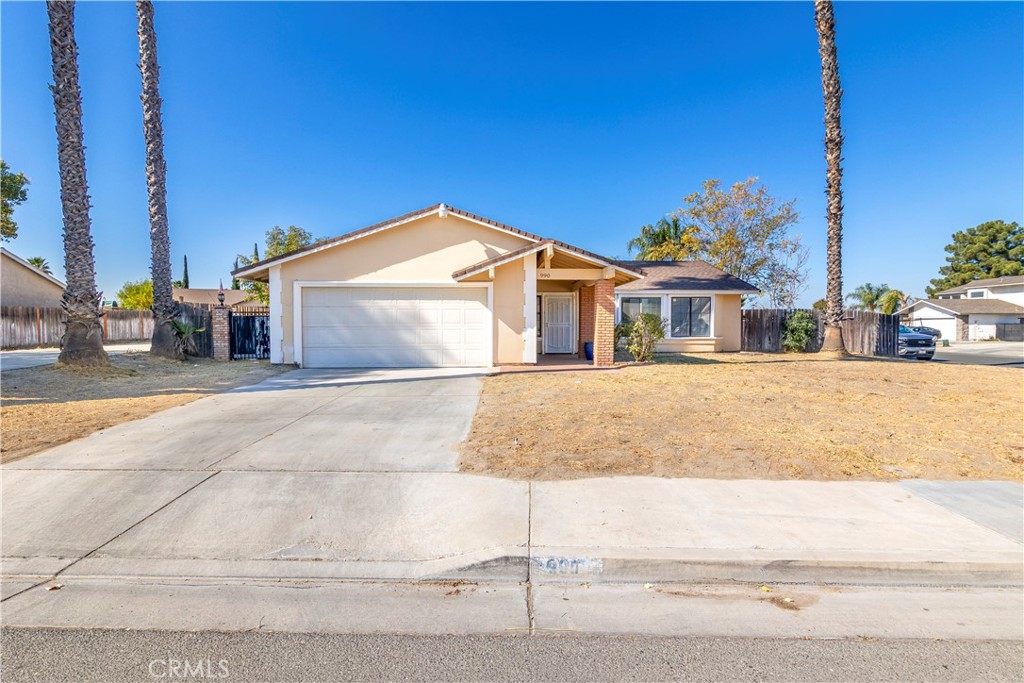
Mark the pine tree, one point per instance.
(184, 277)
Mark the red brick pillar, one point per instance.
(604, 323)
(221, 333)
(586, 318)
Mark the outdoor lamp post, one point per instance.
(220, 293)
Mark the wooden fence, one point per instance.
(865, 333)
(32, 326)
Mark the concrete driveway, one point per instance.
(329, 501)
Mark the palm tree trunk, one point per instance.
(82, 343)
(833, 94)
(165, 309)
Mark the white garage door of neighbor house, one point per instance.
(945, 324)
(379, 327)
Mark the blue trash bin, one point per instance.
(588, 350)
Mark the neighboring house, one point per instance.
(965, 319)
(701, 303)
(1008, 288)
(22, 284)
(233, 298)
(438, 287)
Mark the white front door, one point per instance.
(558, 337)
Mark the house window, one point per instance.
(691, 316)
(976, 294)
(634, 306)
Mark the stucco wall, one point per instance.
(509, 317)
(426, 250)
(728, 320)
(21, 286)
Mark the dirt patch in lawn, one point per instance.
(753, 416)
(46, 406)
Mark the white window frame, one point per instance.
(299, 285)
(631, 295)
(711, 316)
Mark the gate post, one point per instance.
(221, 333)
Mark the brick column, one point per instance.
(586, 318)
(604, 323)
(221, 333)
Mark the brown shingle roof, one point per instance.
(684, 275)
(968, 306)
(988, 282)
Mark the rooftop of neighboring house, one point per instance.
(232, 297)
(695, 275)
(972, 306)
(988, 283)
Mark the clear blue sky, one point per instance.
(578, 121)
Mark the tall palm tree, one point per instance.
(82, 343)
(165, 308)
(833, 94)
(868, 297)
(40, 263)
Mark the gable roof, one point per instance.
(969, 306)
(1003, 281)
(684, 275)
(440, 209)
(534, 248)
(22, 262)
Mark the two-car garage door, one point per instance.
(379, 327)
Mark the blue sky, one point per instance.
(578, 121)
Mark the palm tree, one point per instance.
(868, 297)
(165, 308)
(82, 343)
(40, 263)
(664, 241)
(833, 94)
(892, 301)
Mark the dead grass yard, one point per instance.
(46, 406)
(756, 416)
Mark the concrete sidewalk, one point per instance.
(289, 503)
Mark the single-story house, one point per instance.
(445, 287)
(22, 284)
(233, 298)
(701, 303)
(1008, 288)
(965, 319)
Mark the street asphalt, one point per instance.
(41, 656)
(999, 353)
(16, 359)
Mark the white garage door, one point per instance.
(945, 324)
(379, 327)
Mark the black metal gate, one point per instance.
(250, 333)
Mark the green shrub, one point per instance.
(645, 331)
(183, 337)
(798, 329)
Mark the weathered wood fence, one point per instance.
(32, 326)
(865, 333)
(1010, 331)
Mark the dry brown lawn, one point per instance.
(46, 406)
(757, 416)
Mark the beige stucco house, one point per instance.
(445, 287)
(22, 284)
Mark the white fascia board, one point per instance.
(679, 292)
